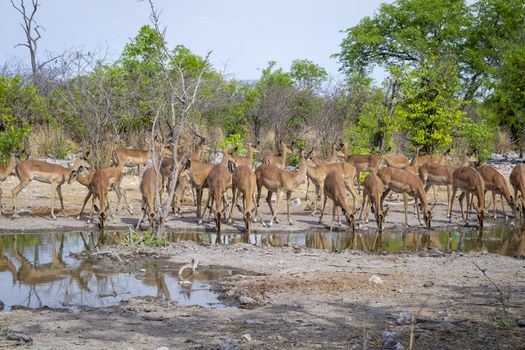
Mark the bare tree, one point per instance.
(181, 97)
(32, 31)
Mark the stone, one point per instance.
(481, 338)
(253, 321)
(428, 284)
(16, 336)
(163, 348)
(374, 279)
(247, 337)
(244, 300)
(404, 318)
(520, 323)
(389, 335)
(229, 344)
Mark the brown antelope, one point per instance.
(248, 160)
(317, 176)
(373, 189)
(430, 158)
(277, 180)
(434, 174)
(396, 161)
(278, 161)
(98, 189)
(468, 180)
(496, 183)
(5, 171)
(219, 180)
(54, 174)
(244, 181)
(401, 181)
(334, 187)
(114, 177)
(198, 173)
(148, 190)
(361, 162)
(517, 180)
(320, 162)
(130, 157)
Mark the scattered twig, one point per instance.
(413, 324)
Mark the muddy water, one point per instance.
(39, 270)
(501, 240)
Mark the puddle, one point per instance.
(499, 240)
(38, 270)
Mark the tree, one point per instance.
(32, 32)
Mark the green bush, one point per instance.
(234, 144)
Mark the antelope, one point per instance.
(148, 191)
(396, 161)
(198, 173)
(469, 181)
(432, 174)
(54, 174)
(430, 158)
(248, 160)
(332, 159)
(278, 161)
(361, 162)
(98, 188)
(130, 157)
(278, 180)
(218, 180)
(5, 171)
(114, 177)
(401, 181)
(373, 189)
(244, 181)
(317, 176)
(517, 180)
(496, 183)
(334, 187)
(310, 175)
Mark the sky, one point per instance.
(243, 35)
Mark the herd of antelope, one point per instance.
(332, 178)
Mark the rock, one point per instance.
(244, 300)
(163, 348)
(16, 336)
(399, 346)
(520, 323)
(289, 321)
(404, 318)
(296, 202)
(247, 337)
(253, 321)
(229, 344)
(428, 284)
(375, 280)
(389, 335)
(1, 305)
(481, 338)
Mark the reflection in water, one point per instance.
(39, 270)
(501, 240)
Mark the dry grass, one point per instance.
(503, 143)
(45, 140)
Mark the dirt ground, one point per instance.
(285, 297)
(293, 297)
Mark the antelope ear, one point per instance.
(231, 166)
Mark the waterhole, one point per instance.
(38, 270)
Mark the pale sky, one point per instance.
(244, 35)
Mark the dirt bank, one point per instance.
(293, 297)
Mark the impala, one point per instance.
(401, 181)
(279, 181)
(517, 180)
(248, 160)
(244, 181)
(148, 191)
(468, 180)
(5, 171)
(278, 161)
(361, 162)
(373, 189)
(334, 187)
(219, 180)
(54, 174)
(496, 183)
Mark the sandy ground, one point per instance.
(34, 204)
(287, 297)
